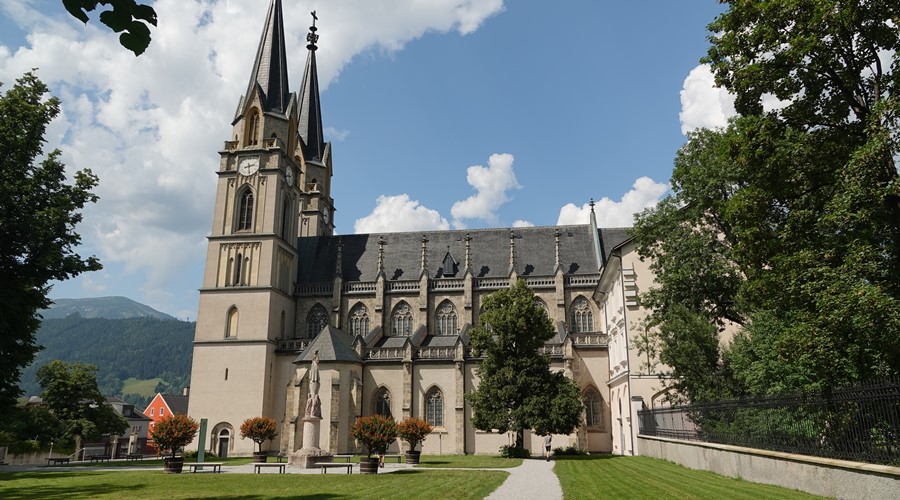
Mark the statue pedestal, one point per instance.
(310, 454)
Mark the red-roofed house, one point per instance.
(162, 405)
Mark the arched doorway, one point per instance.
(224, 439)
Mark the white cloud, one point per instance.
(644, 193)
(399, 213)
(703, 105)
(333, 134)
(491, 184)
(522, 223)
(149, 126)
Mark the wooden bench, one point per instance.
(216, 467)
(328, 465)
(348, 458)
(134, 456)
(99, 458)
(57, 461)
(281, 458)
(398, 457)
(259, 466)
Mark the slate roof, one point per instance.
(310, 124)
(333, 345)
(177, 403)
(535, 253)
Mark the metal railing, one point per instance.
(859, 423)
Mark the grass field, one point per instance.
(607, 476)
(143, 387)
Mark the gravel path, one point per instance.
(533, 479)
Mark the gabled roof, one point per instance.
(333, 345)
(177, 403)
(270, 71)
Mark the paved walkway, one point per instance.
(533, 479)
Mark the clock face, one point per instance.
(289, 176)
(326, 215)
(248, 166)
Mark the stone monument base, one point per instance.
(307, 458)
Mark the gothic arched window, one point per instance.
(582, 317)
(593, 417)
(359, 320)
(231, 323)
(383, 402)
(401, 320)
(238, 265)
(253, 128)
(286, 219)
(245, 211)
(446, 318)
(316, 320)
(434, 407)
(540, 303)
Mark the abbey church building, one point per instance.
(389, 314)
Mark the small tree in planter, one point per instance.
(376, 433)
(171, 433)
(259, 429)
(413, 431)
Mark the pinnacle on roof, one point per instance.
(270, 70)
(310, 126)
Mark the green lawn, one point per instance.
(606, 476)
(143, 387)
(466, 461)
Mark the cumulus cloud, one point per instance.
(149, 126)
(522, 223)
(333, 134)
(644, 193)
(491, 183)
(703, 105)
(399, 213)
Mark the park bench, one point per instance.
(324, 466)
(280, 458)
(57, 461)
(99, 458)
(214, 467)
(259, 466)
(398, 457)
(342, 457)
(134, 456)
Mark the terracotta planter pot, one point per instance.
(260, 457)
(173, 465)
(368, 466)
(412, 457)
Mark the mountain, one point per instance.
(101, 307)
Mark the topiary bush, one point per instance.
(508, 451)
(376, 432)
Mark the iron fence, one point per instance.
(859, 423)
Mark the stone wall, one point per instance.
(819, 476)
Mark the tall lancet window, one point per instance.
(446, 318)
(401, 320)
(245, 211)
(434, 407)
(316, 320)
(582, 317)
(592, 408)
(231, 323)
(253, 127)
(383, 402)
(359, 320)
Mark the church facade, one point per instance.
(388, 314)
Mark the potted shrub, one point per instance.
(376, 433)
(259, 429)
(172, 433)
(413, 431)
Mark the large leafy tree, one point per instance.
(40, 211)
(131, 19)
(516, 389)
(785, 224)
(70, 392)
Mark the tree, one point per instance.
(375, 432)
(785, 224)
(71, 394)
(259, 430)
(413, 431)
(40, 211)
(174, 432)
(126, 17)
(516, 389)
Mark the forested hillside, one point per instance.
(139, 348)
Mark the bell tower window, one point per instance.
(253, 128)
(245, 211)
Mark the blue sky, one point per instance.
(456, 113)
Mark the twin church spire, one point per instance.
(270, 77)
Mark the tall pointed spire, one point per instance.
(270, 69)
(310, 126)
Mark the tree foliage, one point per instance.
(413, 430)
(40, 211)
(173, 432)
(131, 19)
(516, 389)
(785, 224)
(375, 432)
(71, 394)
(259, 430)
